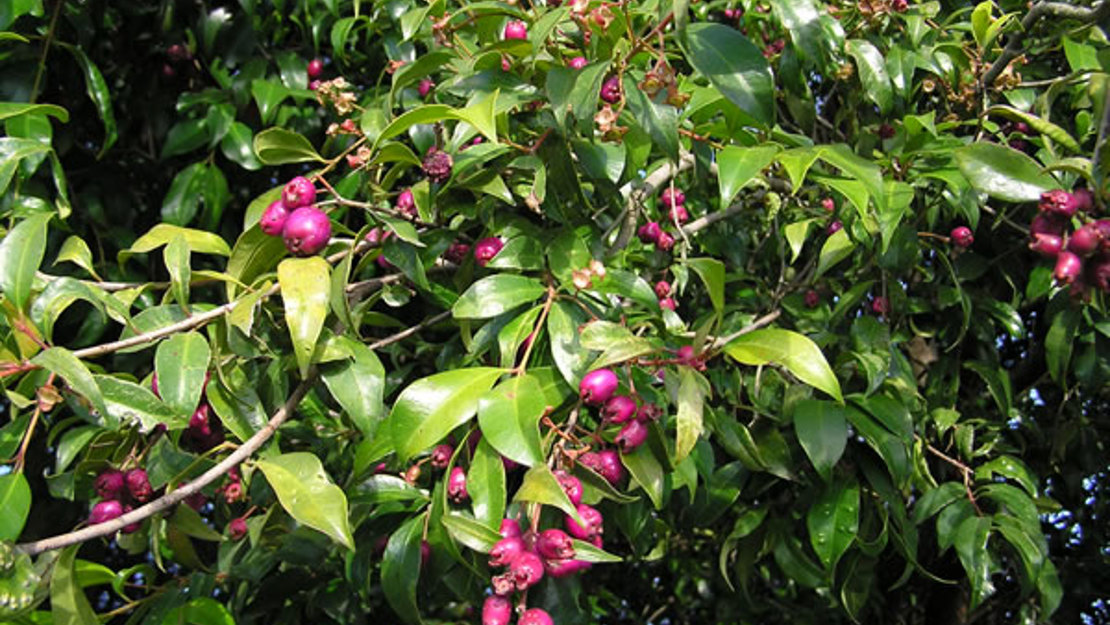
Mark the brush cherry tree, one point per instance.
(542, 312)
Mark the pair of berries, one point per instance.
(653, 233)
(597, 388)
(498, 610)
(663, 292)
(304, 228)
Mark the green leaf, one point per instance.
(238, 147)
(199, 241)
(480, 114)
(401, 565)
(822, 430)
(485, 481)
(176, 257)
(21, 254)
(1040, 125)
(181, 362)
(692, 390)
(836, 248)
(872, 73)
(735, 66)
(14, 109)
(712, 273)
(199, 611)
(1060, 338)
(62, 362)
(796, 352)
(15, 505)
(304, 290)
(278, 146)
(659, 120)
(68, 605)
(540, 486)
(971, 547)
(737, 166)
(429, 408)
(308, 494)
(129, 403)
(496, 294)
(587, 552)
(100, 95)
(1003, 173)
(76, 251)
(470, 532)
(646, 472)
(268, 96)
(190, 523)
(796, 234)
(358, 384)
(236, 402)
(833, 521)
(180, 205)
(509, 417)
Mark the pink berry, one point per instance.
(425, 553)
(273, 219)
(438, 165)
(900, 6)
(315, 68)
(307, 231)
(631, 436)
(441, 456)
(880, 306)
(516, 29)
(611, 90)
(665, 242)
(886, 131)
(673, 198)
(298, 192)
(457, 253)
(1100, 273)
(1084, 200)
(486, 249)
(618, 409)
(1047, 223)
(828, 204)
(577, 62)
(237, 528)
(130, 528)
(510, 528)
(535, 616)
(962, 237)
(834, 227)
(812, 299)
(564, 568)
(497, 610)
(554, 544)
(611, 468)
(1047, 245)
(425, 87)
(526, 570)
(1058, 202)
(679, 214)
(109, 484)
(592, 523)
(1085, 241)
(506, 550)
(571, 486)
(105, 511)
(1069, 267)
(662, 288)
(406, 202)
(649, 232)
(154, 385)
(667, 304)
(598, 386)
(138, 484)
(456, 486)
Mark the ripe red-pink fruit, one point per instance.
(577, 62)
(154, 385)
(598, 386)
(618, 409)
(673, 198)
(828, 204)
(834, 227)
(962, 237)
(812, 299)
(313, 85)
(1058, 202)
(564, 568)
(526, 570)
(273, 218)
(441, 456)
(298, 192)
(1084, 199)
(662, 288)
(555, 544)
(506, 550)
(611, 468)
(109, 484)
(900, 6)
(486, 249)
(880, 306)
(571, 486)
(665, 242)
(497, 610)
(315, 68)
(105, 511)
(535, 616)
(1048, 245)
(510, 528)
(679, 214)
(667, 303)
(405, 202)
(138, 484)
(196, 501)
(611, 90)
(237, 528)
(425, 553)
(591, 523)
(1085, 240)
(886, 131)
(130, 528)
(649, 232)
(376, 236)
(516, 29)
(307, 231)
(631, 436)
(425, 87)
(1100, 272)
(1047, 223)
(456, 253)
(456, 486)
(1103, 227)
(437, 165)
(1069, 267)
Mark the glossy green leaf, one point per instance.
(712, 274)
(833, 521)
(199, 241)
(646, 472)
(21, 253)
(540, 486)
(1040, 125)
(1003, 173)
(199, 611)
(100, 95)
(796, 352)
(129, 403)
(15, 109)
(304, 291)
(76, 251)
(401, 566)
(278, 146)
(68, 605)
(971, 547)
(822, 430)
(233, 397)
(308, 494)
(62, 362)
(429, 408)
(358, 384)
(470, 531)
(496, 294)
(181, 362)
(835, 249)
(692, 391)
(737, 166)
(872, 73)
(509, 417)
(485, 482)
(659, 120)
(15, 505)
(735, 66)
(238, 146)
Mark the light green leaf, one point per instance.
(835, 249)
(737, 166)
(308, 494)
(358, 384)
(62, 362)
(470, 531)
(401, 566)
(76, 251)
(304, 290)
(1003, 173)
(15, 505)
(796, 352)
(496, 294)
(646, 471)
(540, 486)
(199, 241)
(485, 482)
(822, 430)
(181, 362)
(429, 408)
(735, 66)
(712, 273)
(692, 390)
(129, 403)
(509, 418)
(872, 73)
(21, 254)
(68, 605)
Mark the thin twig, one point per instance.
(404, 334)
(751, 327)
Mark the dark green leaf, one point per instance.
(735, 66)
(21, 254)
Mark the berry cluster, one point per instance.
(1082, 252)
(652, 232)
(597, 389)
(118, 491)
(304, 228)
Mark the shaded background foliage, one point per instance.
(982, 356)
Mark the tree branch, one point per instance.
(635, 195)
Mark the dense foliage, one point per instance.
(756, 311)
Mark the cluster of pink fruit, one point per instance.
(118, 491)
(304, 228)
(597, 389)
(652, 233)
(1082, 253)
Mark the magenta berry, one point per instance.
(237, 528)
(564, 568)
(1048, 245)
(526, 570)
(441, 456)
(834, 227)
(535, 616)
(425, 553)
(425, 87)
(456, 486)
(880, 306)
(1085, 241)
(679, 214)
(1084, 200)
(1100, 273)
(130, 528)
(649, 232)
(437, 165)
(828, 204)
(571, 486)
(273, 219)
(105, 511)
(665, 242)
(577, 62)
(298, 192)
(554, 544)
(611, 468)
(591, 523)
(506, 550)
(631, 436)
(611, 90)
(486, 249)
(1069, 267)
(406, 202)
(900, 6)
(307, 231)
(672, 198)
(886, 131)
(315, 68)
(1047, 223)
(516, 29)
(497, 610)
(618, 409)
(962, 237)
(109, 484)
(662, 288)
(667, 303)
(1058, 202)
(138, 484)
(510, 528)
(598, 386)
(456, 253)
(812, 299)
